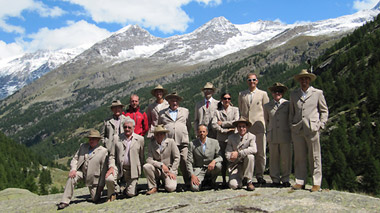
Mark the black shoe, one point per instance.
(62, 205)
(286, 184)
(276, 185)
(261, 181)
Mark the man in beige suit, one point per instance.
(308, 115)
(205, 110)
(276, 114)
(240, 151)
(154, 108)
(162, 162)
(87, 164)
(203, 160)
(251, 103)
(112, 126)
(176, 120)
(125, 160)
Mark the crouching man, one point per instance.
(240, 151)
(162, 162)
(87, 164)
(126, 157)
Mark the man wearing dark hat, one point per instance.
(154, 108)
(251, 103)
(87, 164)
(204, 161)
(276, 114)
(162, 162)
(308, 114)
(240, 152)
(176, 120)
(205, 110)
(112, 126)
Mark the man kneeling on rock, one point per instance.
(87, 164)
(162, 162)
(240, 151)
(203, 160)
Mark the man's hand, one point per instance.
(172, 176)
(165, 169)
(73, 174)
(194, 180)
(234, 155)
(110, 170)
(220, 123)
(211, 166)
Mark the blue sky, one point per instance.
(29, 25)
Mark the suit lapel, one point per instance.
(168, 114)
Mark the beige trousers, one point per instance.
(182, 164)
(70, 185)
(240, 171)
(204, 173)
(307, 147)
(280, 161)
(153, 174)
(260, 156)
(131, 183)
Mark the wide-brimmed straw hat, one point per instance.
(116, 103)
(94, 134)
(160, 128)
(305, 73)
(242, 120)
(173, 95)
(208, 85)
(278, 86)
(158, 87)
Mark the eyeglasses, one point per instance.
(226, 98)
(278, 91)
(127, 127)
(251, 79)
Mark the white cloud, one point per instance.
(14, 8)
(10, 50)
(364, 4)
(164, 15)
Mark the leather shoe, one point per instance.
(261, 180)
(112, 198)
(276, 185)
(152, 191)
(250, 186)
(62, 205)
(286, 184)
(298, 187)
(315, 188)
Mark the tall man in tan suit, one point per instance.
(204, 161)
(251, 103)
(87, 164)
(308, 115)
(125, 160)
(113, 125)
(240, 151)
(162, 162)
(205, 110)
(154, 108)
(176, 120)
(276, 114)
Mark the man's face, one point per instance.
(134, 102)
(242, 128)
(159, 93)
(277, 94)
(305, 82)
(128, 129)
(252, 81)
(159, 136)
(202, 132)
(117, 110)
(174, 103)
(93, 142)
(208, 93)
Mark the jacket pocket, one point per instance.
(314, 125)
(296, 127)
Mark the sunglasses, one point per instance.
(226, 98)
(251, 79)
(127, 127)
(278, 91)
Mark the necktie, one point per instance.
(207, 103)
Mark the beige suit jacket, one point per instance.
(254, 111)
(203, 115)
(136, 154)
(178, 129)
(96, 161)
(168, 155)
(246, 146)
(277, 122)
(197, 160)
(153, 113)
(309, 114)
(227, 118)
(109, 130)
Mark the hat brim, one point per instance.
(213, 89)
(274, 88)
(94, 136)
(161, 131)
(235, 123)
(154, 90)
(309, 75)
(169, 97)
(117, 105)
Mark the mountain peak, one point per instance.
(377, 7)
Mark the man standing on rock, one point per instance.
(204, 161)
(251, 106)
(140, 118)
(205, 110)
(154, 109)
(308, 115)
(87, 163)
(113, 125)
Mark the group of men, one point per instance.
(278, 122)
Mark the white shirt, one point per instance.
(173, 114)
